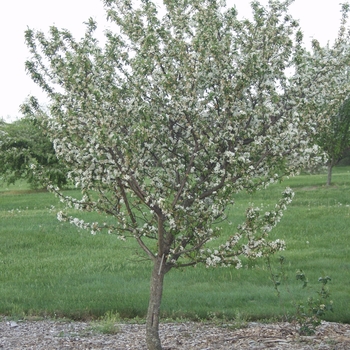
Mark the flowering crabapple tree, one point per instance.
(178, 111)
(333, 124)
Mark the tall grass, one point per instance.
(51, 268)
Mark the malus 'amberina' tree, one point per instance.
(178, 111)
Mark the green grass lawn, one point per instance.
(51, 268)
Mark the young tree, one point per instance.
(176, 114)
(22, 144)
(334, 138)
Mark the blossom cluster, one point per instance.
(251, 239)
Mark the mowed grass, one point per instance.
(48, 268)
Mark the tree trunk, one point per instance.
(156, 291)
(329, 176)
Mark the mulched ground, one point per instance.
(48, 334)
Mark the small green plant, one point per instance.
(221, 320)
(215, 318)
(107, 324)
(240, 321)
(309, 314)
(276, 277)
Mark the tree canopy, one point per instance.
(178, 112)
(23, 145)
(333, 137)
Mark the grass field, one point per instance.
(48, 268)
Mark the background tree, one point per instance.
(176, 114)
(334, 138)
(23, 144)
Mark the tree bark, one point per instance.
(153, 313)
(329, 174)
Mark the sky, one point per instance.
(319, 19)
